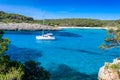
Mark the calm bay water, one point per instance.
(74, 55)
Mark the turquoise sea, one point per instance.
(74, 55)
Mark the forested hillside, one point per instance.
(80, 22)
(6, 17)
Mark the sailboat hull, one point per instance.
(44, 37)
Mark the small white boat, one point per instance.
(48, 36)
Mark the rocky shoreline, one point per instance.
(110, 71)
(25, 26)
(36, 27)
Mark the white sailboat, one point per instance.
(47, 36)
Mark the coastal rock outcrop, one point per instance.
(24, 26)
(110, 71)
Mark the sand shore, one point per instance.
(86, 27)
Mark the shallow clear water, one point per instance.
(74, 55)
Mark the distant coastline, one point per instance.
(85, 27)
(37, 27)
(17, 22)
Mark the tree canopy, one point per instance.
(7, 17)
(112, 39)
(13, 70)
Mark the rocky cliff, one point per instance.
(110, 71)
(24, 26)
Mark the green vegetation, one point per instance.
(33, 71)
(3, 43)
(13, 70)
(112, 66)
(6, 17)
(76, 22)
(80, 22)
(112, 39)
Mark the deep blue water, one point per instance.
(74, 55)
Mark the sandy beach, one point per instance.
(86, 27)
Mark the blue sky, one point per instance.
(97, 9)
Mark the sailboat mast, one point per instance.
(43, 27)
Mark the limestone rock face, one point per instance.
(25, 26)
(110, 71)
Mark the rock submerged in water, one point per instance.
(110, 71)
